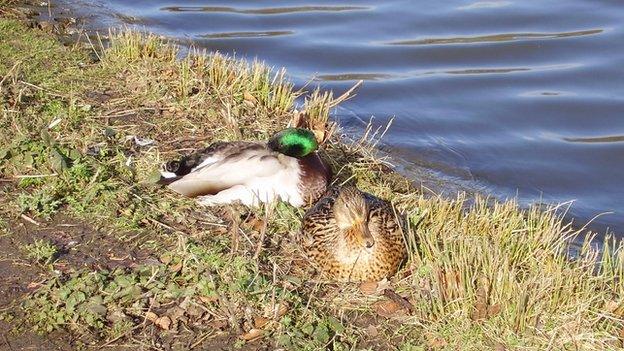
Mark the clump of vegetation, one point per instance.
(87, 137)
(197, 288)
(41, 251)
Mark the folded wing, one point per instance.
(238, 166)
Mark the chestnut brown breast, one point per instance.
(315, 176)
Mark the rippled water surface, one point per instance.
(512, 98)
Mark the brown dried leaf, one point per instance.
(33, 285)
(400, 300)
(218, 324)
(151, 316)
(117, 316)
(372, 331)
(435, 341)
(297, 120)
(611, 306)
(260, 322)
(195, 311)
(176, 268)
(256, 224)
(438, 343)
(499, 347)
(175, 313)
(163, 322)
(383, 284)
(220, 230)
(253, 334)
(165, 258)
(480, 312)
(283, 308)
(386, 308)
(368, 288)
(493, 310)
(320, 135)
(208, 299)
(250, 98)
(276, 311)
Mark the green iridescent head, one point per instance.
(294, 142)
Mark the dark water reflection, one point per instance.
(262, 11)
(230, 35)
(495, 38)
(510, 97)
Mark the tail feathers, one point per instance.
(166, 174)
(197, 187)
(167, 178)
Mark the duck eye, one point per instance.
(172, 166)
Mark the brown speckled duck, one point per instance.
(353, 236)
(286, 167)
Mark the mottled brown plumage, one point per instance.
(353, 236)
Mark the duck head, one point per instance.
(351, 213)
(294, 142)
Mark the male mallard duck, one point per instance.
(353, 236)
(286, 167)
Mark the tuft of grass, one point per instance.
(504, 276)
(41, 251)
(41, 203)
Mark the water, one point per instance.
(512, 98)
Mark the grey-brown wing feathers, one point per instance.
(227, 166)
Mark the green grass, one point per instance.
(40, 251)
(484, 275)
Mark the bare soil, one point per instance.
(80, 246)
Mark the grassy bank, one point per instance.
(114, 260)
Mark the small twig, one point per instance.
(100, 40)
(119, 337)
(241, 231)
(311, 296)
(346, 96)
(163, 225)
(28, 219)
(233, 227)
(93, 47)
(35, 176)
(149, 309)
(6, 341)
(42, 89)
(262, 232)
(228, 306)
(274, 287)
(151, 278)
(9, 72)
(198, 342)
(122, 115)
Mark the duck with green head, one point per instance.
(287, 167)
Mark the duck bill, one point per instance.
(363, 234)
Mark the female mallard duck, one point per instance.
(353, 236)
(286, 167)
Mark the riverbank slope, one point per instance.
(94, 250)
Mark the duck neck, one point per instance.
(314, 175)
